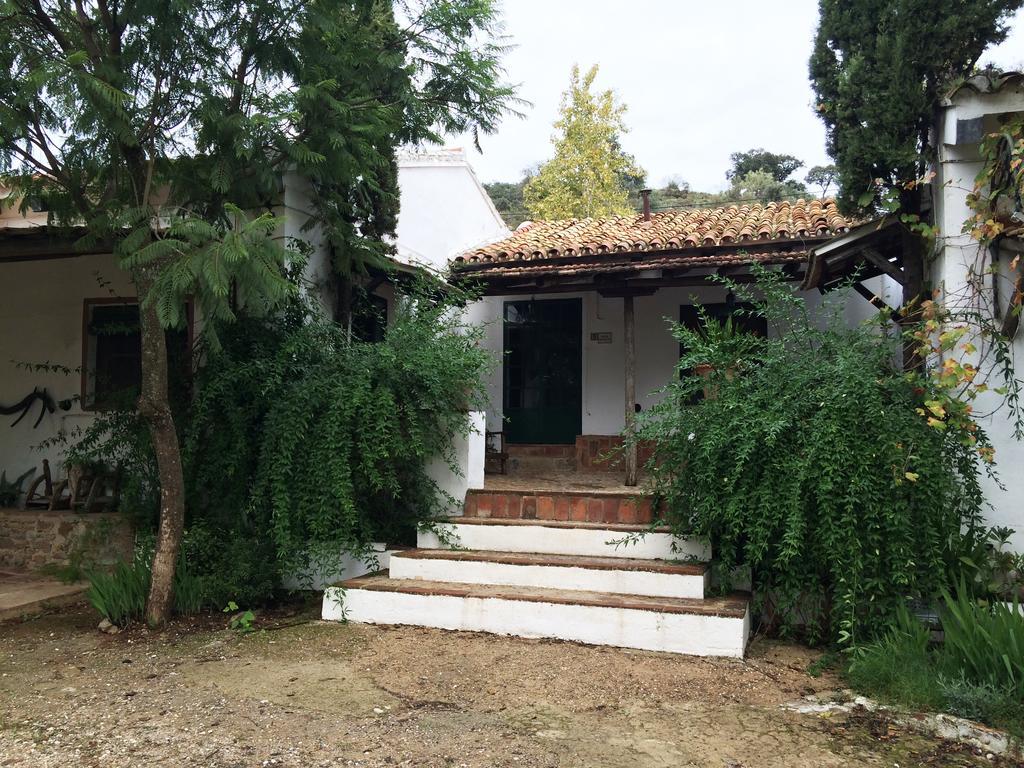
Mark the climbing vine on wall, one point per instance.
(322, 443)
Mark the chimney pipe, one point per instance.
(646, 195)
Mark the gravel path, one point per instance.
(307, 694)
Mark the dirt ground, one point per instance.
(306, 693)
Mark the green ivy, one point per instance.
(321, 443)
(810, 468)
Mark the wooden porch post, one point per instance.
(630, 339)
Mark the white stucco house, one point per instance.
(57, 299)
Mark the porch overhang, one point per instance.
(41, 242)
(632, 273)
(869, 250)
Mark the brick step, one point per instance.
(561, 537)
(708, 627)
(614, 575)
(545, 504)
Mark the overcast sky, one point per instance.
(701, 80)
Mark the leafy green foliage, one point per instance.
(762, 187)
(779, 166)
(973, 673)
(322, 443)
(986, 641)
(119, 594)
(823, 177)
(879, 68)
(508, 199)
(898, 665)
(811, 466)
(589, 175)
(242, 621)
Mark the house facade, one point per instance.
(563, 299)
(59, 299)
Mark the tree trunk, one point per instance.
(155, 408)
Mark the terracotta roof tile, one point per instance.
(748, 226)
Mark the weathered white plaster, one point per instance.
(467, 454)
(345, 566)
(41, 322)
(444, 209)
(549, 539)
(620, 582)
(956, 255)
(692, 634)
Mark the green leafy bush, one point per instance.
(312, 443)
(812, 467)
(899, 666)
(119, 595)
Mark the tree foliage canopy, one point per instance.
(779, 166)
(590, 175)
(164, 130)
(192, 111)
(879, 68)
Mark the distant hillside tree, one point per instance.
(589, 174)
(507, 197)
(763, 187)
(779, 167)
(823, 177)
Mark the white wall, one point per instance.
(444, 209)
(41, 321)
(957, 253)
(657, 352)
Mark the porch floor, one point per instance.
(561, 480)
(25, 594)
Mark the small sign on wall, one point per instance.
(601, 337)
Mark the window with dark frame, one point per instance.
(112, 355)
(745, 321)
(369, 317)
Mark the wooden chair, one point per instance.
(84, 490)
(43, 498)
(495, 454)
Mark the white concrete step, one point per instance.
(710, 627)
(614, 575)
(561, 538)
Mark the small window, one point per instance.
(369, 317)
(112, 355)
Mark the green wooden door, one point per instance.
(543, 392)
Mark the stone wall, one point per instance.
(31, 539)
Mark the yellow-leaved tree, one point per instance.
(590, 175)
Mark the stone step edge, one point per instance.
(559, 561)
(593, 493)
(733, 606)
(518, 521)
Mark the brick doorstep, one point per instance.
(578, 506)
